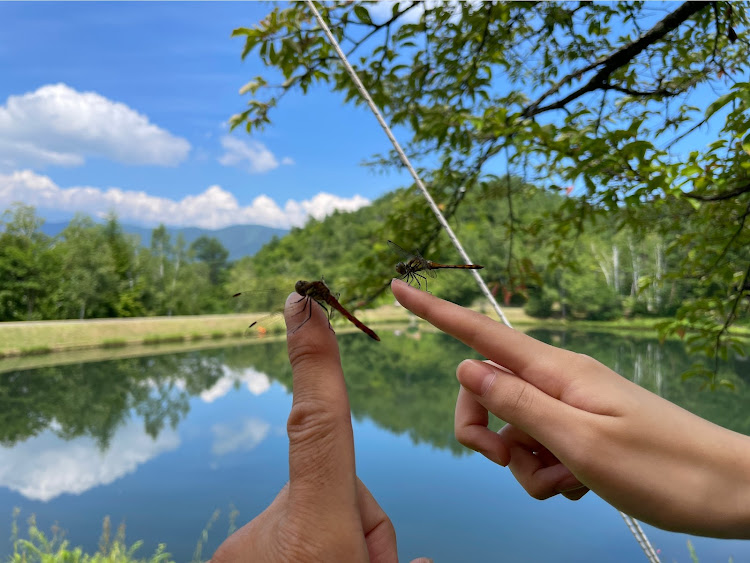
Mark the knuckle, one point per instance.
(312, 420)
(523, 400)
(539, 493)
(462, 435)
(583, 362)
(304, 351)
(537, 488)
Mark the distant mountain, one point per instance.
(239, 240)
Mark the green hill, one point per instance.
(239, 240)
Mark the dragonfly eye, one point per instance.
(300, 287)
(401, 268)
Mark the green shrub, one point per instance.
(540, 303)
(163, 338)
(35, 350)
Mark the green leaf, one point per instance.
(362, 13)
(719, 103)
(746, 143)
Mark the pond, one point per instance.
(161, 442)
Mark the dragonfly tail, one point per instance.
(354, 320)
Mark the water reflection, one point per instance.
(162, 441)
(256, 382)
(230, 438)
(45, 467)
(68, 428)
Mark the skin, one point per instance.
(324, 513)
(574, 425)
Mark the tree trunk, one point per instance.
(616, 267)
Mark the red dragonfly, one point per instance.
(319, 292)
(414, 263)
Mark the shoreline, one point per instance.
(20, 339)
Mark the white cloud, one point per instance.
(213, 209)
(227, 439)
(45, 467)
(60, 126)
(257, 383)
(382, 11)
(251, 155)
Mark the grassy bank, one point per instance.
(35, 338)
(41, 337)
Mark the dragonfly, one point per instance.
(319, 292)
(413, 265)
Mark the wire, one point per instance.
(631, 522)
(417, 180)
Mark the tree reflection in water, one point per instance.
(405, 385)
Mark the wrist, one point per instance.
(727, 491)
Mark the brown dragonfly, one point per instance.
(414, 264)
(319, 292)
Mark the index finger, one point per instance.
(495, 341)
(321, 444)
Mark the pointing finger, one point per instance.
(525, 356)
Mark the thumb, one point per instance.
(518, 402)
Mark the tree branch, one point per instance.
(378, 27)
(731, 316)
(658, 92)
(729, 244)
(722, 196)
(616, 60)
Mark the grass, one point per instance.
(39, 547)
(40, 337)
(59, 336)
(35, 350)
(163, 338)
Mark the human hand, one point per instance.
(575, 425)
(324, 513)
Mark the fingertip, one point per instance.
(475, 376)
(289, 306)
(399, 287)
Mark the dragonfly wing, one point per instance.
(400, 251)
(264, 310)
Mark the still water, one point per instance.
(161, 442)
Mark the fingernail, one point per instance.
(475, 376)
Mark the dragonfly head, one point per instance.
(301, 287)
(401, 269)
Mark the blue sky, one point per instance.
(123, 106)
(120, 106)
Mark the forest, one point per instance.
(639, 112)
(92, 270)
